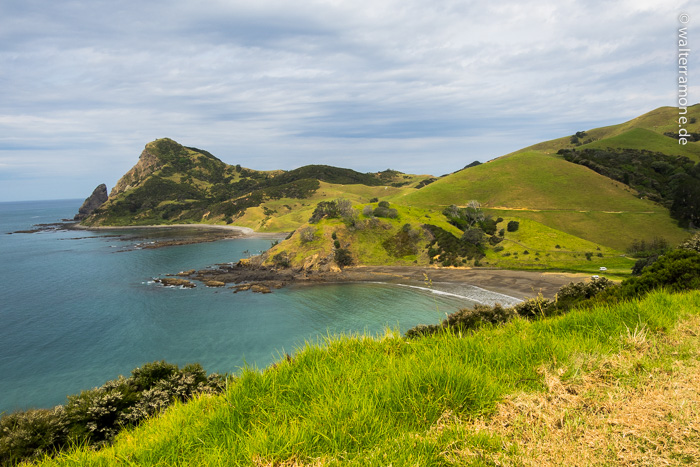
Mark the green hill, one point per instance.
(561, 195)
(659, 121)
(174, 184)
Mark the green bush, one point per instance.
(388, 213)
(343, 257)
(95, 416)
(513, 226)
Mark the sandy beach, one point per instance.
(234, 230)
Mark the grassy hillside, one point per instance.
(556, 193)
(640, 138)
(569, 389)
(173, 184)
(659, 121)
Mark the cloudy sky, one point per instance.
(421, 86)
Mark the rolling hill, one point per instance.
(566, 202)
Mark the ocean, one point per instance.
(78, 308)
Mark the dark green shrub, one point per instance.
(495, 240)
(281, 260)
(385, 212)
(469, 319)
(343, 257)
(374, 200)
(534, 308)
(513, 226)
(474, 236)
(336, 243)
(383, 204)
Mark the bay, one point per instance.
(78, 308)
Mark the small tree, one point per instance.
(513, 226)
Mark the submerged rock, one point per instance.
(174, 282)
(214, 284)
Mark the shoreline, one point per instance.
(240, 230)
(512, 284)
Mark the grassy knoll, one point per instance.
(370, 240)
(660, 121)
(449, 399)
(286, 214)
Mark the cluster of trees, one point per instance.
(672, 181)
(95, 416)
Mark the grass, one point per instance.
(439, 400)
(660, 121)
(552, 249)
(365, 243)
(547, 189)
(530, 180)
(641, 138)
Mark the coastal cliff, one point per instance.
(92, 202)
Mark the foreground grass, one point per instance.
(438, 400)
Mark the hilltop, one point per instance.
(174, 184)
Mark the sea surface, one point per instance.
(78, 308)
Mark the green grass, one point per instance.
(365, 244)
(551, 249)
(556, 193)
(661, 120)
(640, 138)
(357, 400)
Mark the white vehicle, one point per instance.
(603, 268)
(595, 277)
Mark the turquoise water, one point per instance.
(79, 308)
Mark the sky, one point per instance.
(420, 86)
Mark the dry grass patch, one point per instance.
(595, 418)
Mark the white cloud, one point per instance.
(365, 84)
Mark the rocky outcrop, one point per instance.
(173, 282)
(94, 201)
(147, 164)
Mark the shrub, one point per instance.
(336, 243)
(95, 416)
(368, 211)
(31, 434)
(343, 257)
(513, 226)
(374, 200)
(385, 212)
(383, 204)
(281, 260)
(307, 234)
(474, 236)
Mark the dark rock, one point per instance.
(94, 201)
(172, 282)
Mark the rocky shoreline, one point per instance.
(250, 275)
